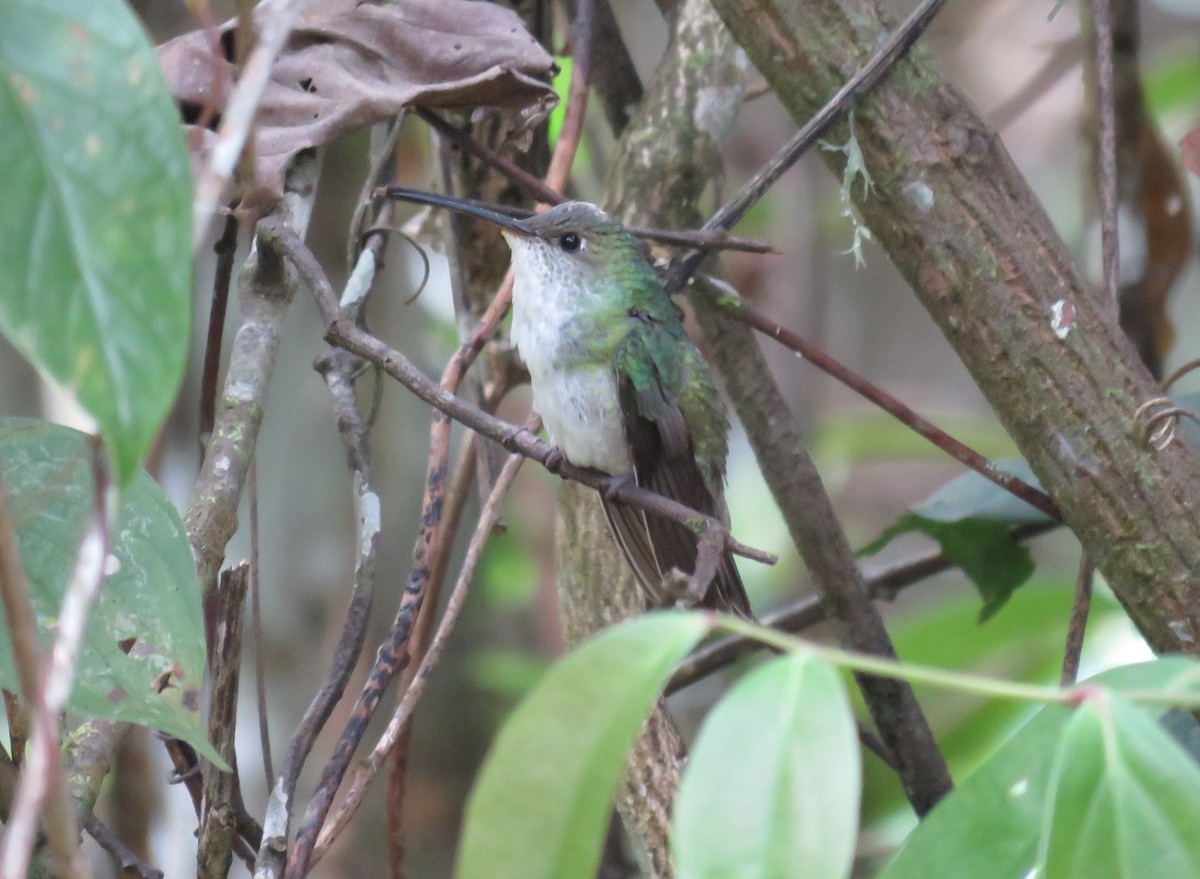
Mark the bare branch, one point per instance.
(211, 517)
(368, 768)
(222, 796)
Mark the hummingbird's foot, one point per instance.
(555, 461)
(613, 486)
(679, 590)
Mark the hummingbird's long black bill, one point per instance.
(459, 205)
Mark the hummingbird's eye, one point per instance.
(569, 242)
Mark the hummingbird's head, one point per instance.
(575, 245)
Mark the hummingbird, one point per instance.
(619, 384)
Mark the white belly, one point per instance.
(582, 416)
(576, 397)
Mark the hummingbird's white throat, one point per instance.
(575, 395)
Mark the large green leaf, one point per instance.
(971, 518)
(143, 653)
(1023, 642)
(989, 827)
(1123, 800)
(95, 222)
(542, 800)
(771, 790)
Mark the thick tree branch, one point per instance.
(222, 789)
(962, 225)
(211, 517)
(808, 511)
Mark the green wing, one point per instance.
(664, 457)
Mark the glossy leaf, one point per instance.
(970, 517)
(1123, 800)
(989, 827)
(541, 803)
(772, 787)
(95, 223)
(1021, 643)
(143, 653)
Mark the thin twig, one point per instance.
(1110, 246)
(1080, 607)
(510, 169)
(883, 585)
(340, 370)
(571, 131)
(225, 248)
(683, 266)
(368, 768)
(256, 630)
(702, 239)
(237, 116)
(812, 523)
(14, 591)
(22, 635)
(383, 149)
(729, 301)
(469, 460)
(18, 725)
(126, 858)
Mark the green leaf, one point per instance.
(771, 789)
(540, 806)
(554, 124)
(143, 652)
(1171, 83)
(1123, 801)
(1022, 643)
(970, 517)
(990, 825)
(95, 223)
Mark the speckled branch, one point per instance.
(962, 225)
(265, 293)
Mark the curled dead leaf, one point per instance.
(349, 65)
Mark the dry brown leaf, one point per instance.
(348, 65)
